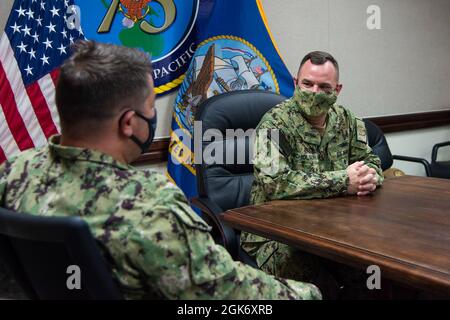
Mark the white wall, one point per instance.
(5, 7)
(402, 68)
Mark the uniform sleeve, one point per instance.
(279, 181)
(3, 177)
(173, 248)
(360, 150)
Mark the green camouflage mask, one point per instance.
(314, 104)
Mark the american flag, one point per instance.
(33, 46)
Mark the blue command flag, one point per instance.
(235, 52)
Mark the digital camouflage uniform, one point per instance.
(302, 164)
(158, 247)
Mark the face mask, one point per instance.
(314, 104)
(151, 132)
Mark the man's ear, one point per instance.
(125, 123)
(338, 89)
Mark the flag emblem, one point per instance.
(222, 64)
(132, 9)
(162, 28)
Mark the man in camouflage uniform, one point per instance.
(157, 246)
(321, 151)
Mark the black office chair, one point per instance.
(376, 134)
(223, 186)
(378, 143)
(38, 251)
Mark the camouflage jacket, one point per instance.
(158, 247)
(304, 164)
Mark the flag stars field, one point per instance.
(26, 31)
(44, 59)
(28, 69)
(30, 14)
(32, 54)
(20, 11)
(54, 11)
(48, 44)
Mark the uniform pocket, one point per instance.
(308, 162)
(339, 157)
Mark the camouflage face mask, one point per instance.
(314, 104)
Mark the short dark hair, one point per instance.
(320, 58)
(98, 79)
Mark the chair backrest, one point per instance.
(40, 250)
(227, 178)
(439, 169)
(378, 143)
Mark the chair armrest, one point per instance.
(436, 148)
(222, 233)
(424, 162)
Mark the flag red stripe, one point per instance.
(55, 74)
(41, 110)
(12, 115)
(2, 156)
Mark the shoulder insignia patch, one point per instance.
(361, 131)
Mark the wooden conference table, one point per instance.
(404, 228)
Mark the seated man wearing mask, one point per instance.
(158, 247)
(321, 152)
